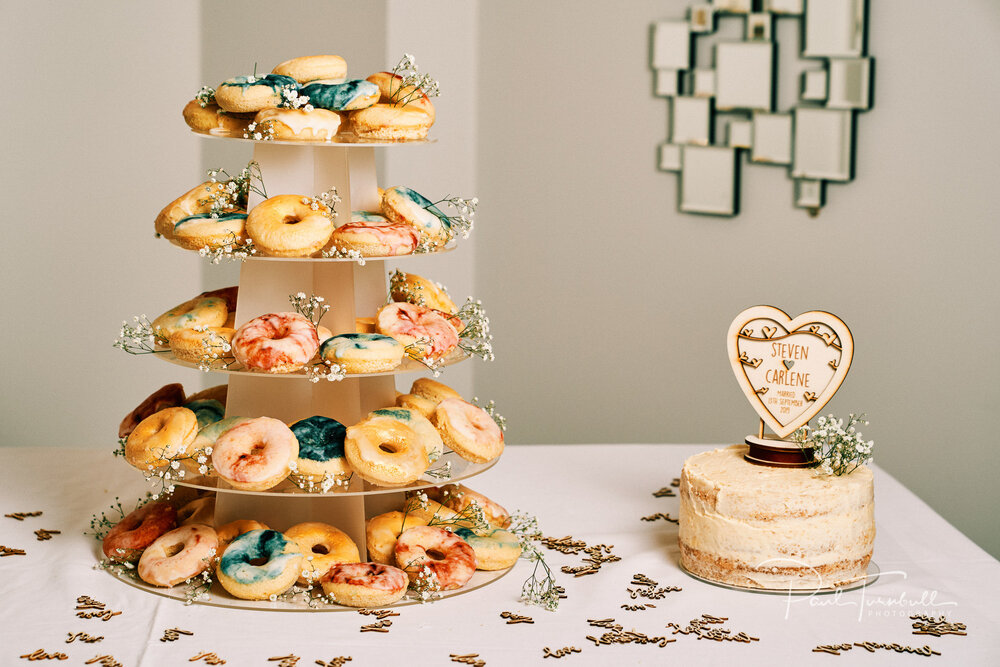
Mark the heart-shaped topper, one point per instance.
(789, 368)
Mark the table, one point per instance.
(595, 493)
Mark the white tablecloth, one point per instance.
(596, 493)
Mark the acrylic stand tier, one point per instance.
(352, 290)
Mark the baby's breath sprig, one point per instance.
(409, 74)
(328, 481)
(234, 190)
(540, 591)
(262, 131)
(837, 450)
(398, 285)
(426, 585)
(109, 518)
(441, 472)
(205, 96)
(471, 516)
(196, 588)
(330, 199)
(121, 569)
(139, 338)
(337, 253)
(312, 307)
(491, 409)
(291, 99)
(463, 222)
(413, 351)
(216, 351)
(120, 449)
(232, 249)
(475, 337)
(325, 370)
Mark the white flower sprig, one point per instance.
(234, 190)
(205, 96)
(328, 481)
(475, 337)
(327, 200)
(262, 131)
(409, 75)
(139, 338)
(232, 249)
(109, 518)
(337, 253)
(312, 307)
(197, 587)
(291, 99)
(325, 370)
(542, 592)
(414, 351)
(838, 450)
(491, 409)
(216, 351)
(463, 222)
(441, 472)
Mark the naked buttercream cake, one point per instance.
(774, 528)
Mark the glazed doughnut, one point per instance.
(364, 325)
(495, 549)
(381, 532)
(193, 202)
(195, 345)
(160, 437)
(323, 333)
(289, 226)
(426, 433)
(255, 455)
(434, 513)
(218, 393)
(385, 452)
(167, 396)
(299, 124)
(385, 122)
(199, 510)
(448, 557)
(276, 343)
(210, 119)
(458, 497)
(375, 238)
(423, 331)
(128, 538)
(363, 353)
(311, 68)
(365, 584)
(468, 430)
(281, 567)
(347, 96)
(392, 92)
(204, 230)
(418, 403)
(367, 216)
(230, 531)
(201, 311)
(249, 94)
(433, 390)
(416, 289)
(206, 438)
(176, 556)
(321, 448)
(322, 546)
(407, 206)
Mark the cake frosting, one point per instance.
(774, 528)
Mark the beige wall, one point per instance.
(611, 308)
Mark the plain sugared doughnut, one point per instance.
(255, 455)
(385, 452)
(365, 584)
(381, 532)
(449, 558)
(496, 549)
(167, 396)
(210, 119)
(276, 343)
(322, 546)
(425, 332)
(281, 567)
(458, 497)
(128, 538)
(433, 390)
(427, 434)
(249, 94)
(405, 205)
(311, 68)
(290, 226)
(321, 448)
(385, 122)
(196, 345)
(347, 96)
(421, 291)
(176, 556)
(160, 437)
(419, 403)
(201, 311)
(362, 353)
(299, 124)
(394, 93)
(468, 430)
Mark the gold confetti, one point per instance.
(285, 660)
(513, 618)
(40, 654)
(927, 625)
(665, 492)
(43, 534)
(335, 662)
(209, 658)
(468, 659)
(21, 516)
(675, 482)
(660, 515)
(173, 634)
(10, 551)
(104, 661)
(549, 653)
(82, 636)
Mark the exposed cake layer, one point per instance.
(767, 527)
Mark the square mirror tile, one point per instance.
(772, 138)
(691, 120)
(743, 75)
(671, 45)
(850, 83)
(823, 144)
(834, 28)
(708, 180)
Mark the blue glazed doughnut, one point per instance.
(402, 204)
(347, 96)
(282, 566)
(321, 447)
(362, 352)
(208, 411)
(249, 94)
(367, 216)
(206, 438)
(496, 549)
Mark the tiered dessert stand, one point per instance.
(352, 289)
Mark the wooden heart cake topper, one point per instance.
(789, 368)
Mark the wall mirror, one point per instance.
(724, 71)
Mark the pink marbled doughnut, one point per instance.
(364, 584)
(426, 331)
(376, 238)
(192, 547)
(276, 343)
(450, 558)
(255, 455)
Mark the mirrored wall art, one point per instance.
(724, 111)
